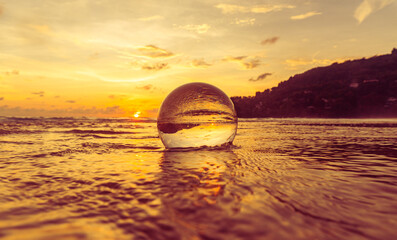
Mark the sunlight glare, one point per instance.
(136, 115)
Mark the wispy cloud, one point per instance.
(1, 98)
(244, 61)
(367, 7)
(299, 62)
(260, 77)
(148, 65)
(153, 51)
(117, 96)
(271, 8)
(269, 41)
(43, 29)
(70, 101)
(132, 80)
(244, 22)
(11, 73)
(305, 15)
(198, 28)
(232, 8)
(155, 66)
(151, 18)
(94, 56)
(113, 80)
(234, 59)
(294, 63)
(146, 87)
(250, 64)
(200, 63)
(20, 111)
(40, 93)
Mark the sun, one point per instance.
(137, 114)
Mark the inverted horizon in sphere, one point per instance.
(196, 115)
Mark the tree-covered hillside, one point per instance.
(359, 88)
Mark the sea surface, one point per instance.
(82, 178)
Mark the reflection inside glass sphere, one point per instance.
(197, 115)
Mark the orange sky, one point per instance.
(115, 58)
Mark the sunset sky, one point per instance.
(116, 58)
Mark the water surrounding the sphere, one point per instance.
(283, 179)
(196, 115)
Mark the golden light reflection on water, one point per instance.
(194, 181)
(203, 168)
(97, 179)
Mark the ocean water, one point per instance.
(67, 178)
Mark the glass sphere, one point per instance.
(197, 115)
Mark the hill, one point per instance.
(353, 89)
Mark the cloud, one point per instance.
(18, 111)
(152, 51)
(244, 22)
(200, 29)
(43, 29)
(151, 18)
(296, 63)
(70, 101)
(200, 63)
(1, 98)
(368, 7)
(251, 64)
(234, 59)
(272, 40)
(94, 56)
(244, 61)
(304, 16)
(302, 62)
(271, 8)
(40, 94)
(260, 77)
(155, 66)
(152, 112)
(146, 87)
(13, 72)
(231, 8)
(117, 96)
(138, 63)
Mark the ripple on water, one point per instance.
(284, 179)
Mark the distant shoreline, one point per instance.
(363, 88)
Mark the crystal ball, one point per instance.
(197, 115)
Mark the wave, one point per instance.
(226, 146)
(16, 131)
(368, 125)
(19, 142)
(78, 131)
(149, 120)
(94, 148)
